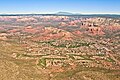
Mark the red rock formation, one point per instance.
(1, 28)
(67, 36)
(63, 24)
(54, 33)
(29, 29)
(113, 28)
(14, 30)
(77, 32)
(95, 30)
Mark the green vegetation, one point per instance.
(25, 55)
(100, 55)
(17, 55)
(47, 42)
(71, 56)
(65, 45)
(56, 58)
(2, 31)
(61, 45)
(42, 62)
(79, 45)
(65, 65)
(86, 57)
(33, 56)
(110, 59)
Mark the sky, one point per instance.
(54, 6)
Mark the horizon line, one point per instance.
(57, 12)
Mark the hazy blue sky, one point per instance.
(52, 6)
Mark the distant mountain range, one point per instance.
(68, 13)
(65, 14)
